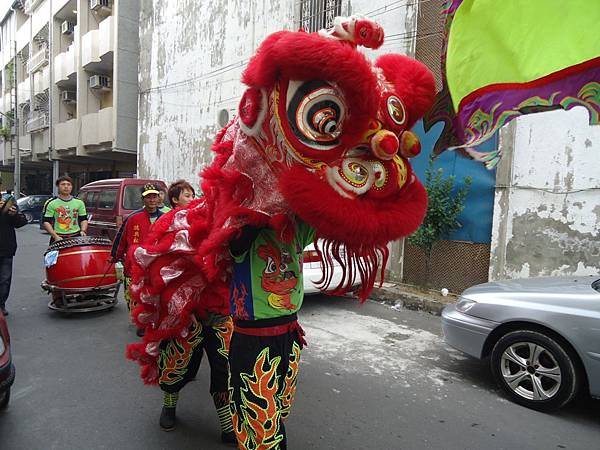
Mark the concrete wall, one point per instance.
(547, 202)
(192, 54)
(125, 71)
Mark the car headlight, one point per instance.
(463, 305)
(2, 346)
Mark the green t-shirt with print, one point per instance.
(65, 214)
(267, 279)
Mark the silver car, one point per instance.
(542, 336)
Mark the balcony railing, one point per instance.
(64, 64)
(37, 60)
(30, 5)
(37, 122)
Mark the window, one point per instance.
(132, 197)
(37, 200)
(106, 199)
(318, 14)
(89, 198)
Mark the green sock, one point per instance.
(170, 400)
(221, 400)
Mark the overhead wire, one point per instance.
(392, 6)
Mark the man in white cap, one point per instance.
(133, 232)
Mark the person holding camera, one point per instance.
(10, 218)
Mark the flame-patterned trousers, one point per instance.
(179, 359)
(263, 358)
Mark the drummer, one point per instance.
(133, 231)
(65, 216)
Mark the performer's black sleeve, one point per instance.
(242, 244)
(50, 220)
(82, 218)
(18, 220)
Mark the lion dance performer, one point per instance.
(319, 150)
(180, 357)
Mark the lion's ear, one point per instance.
(252, 110)
(413, 82)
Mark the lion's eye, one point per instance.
(396, 110)
(315, 111)
(271, 266)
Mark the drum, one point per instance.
(80, 263)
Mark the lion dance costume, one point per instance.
(320, 150)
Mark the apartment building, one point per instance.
(69, 77)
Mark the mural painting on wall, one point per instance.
(489, 81)
(476, 219)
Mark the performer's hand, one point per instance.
(2, 204)
(83, 233)
(12, 210)
(58, 238)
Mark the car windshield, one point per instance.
(132, 196)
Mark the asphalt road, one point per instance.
(371, 378)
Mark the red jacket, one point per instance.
(131, 234)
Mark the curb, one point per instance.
(392, 294)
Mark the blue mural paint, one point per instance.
(476, 219)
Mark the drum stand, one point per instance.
(82, 299)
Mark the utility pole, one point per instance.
(17, 192)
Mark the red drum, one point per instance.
(82, 263)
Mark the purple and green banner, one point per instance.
(514, 57)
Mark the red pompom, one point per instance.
(389, 144)
(368, 34)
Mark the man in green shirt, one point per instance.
(65, 216)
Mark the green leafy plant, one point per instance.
(5, 132)
(443, 209)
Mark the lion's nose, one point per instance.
(384, 144)
(410, 146)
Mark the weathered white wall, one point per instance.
(547, 203)
(192, 54)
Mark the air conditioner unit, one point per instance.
(67, 27)
(68, 96)
(99, 5)
(100, 82)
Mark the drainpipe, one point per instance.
(17, 176)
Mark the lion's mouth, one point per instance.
(338, 185)
(353, 177)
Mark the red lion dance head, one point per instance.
(321, 134)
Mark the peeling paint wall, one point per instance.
(192, 54)
(547, 203)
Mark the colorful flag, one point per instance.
(505, 59)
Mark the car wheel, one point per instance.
(28, 216)
(535, 370)
(4, 398)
